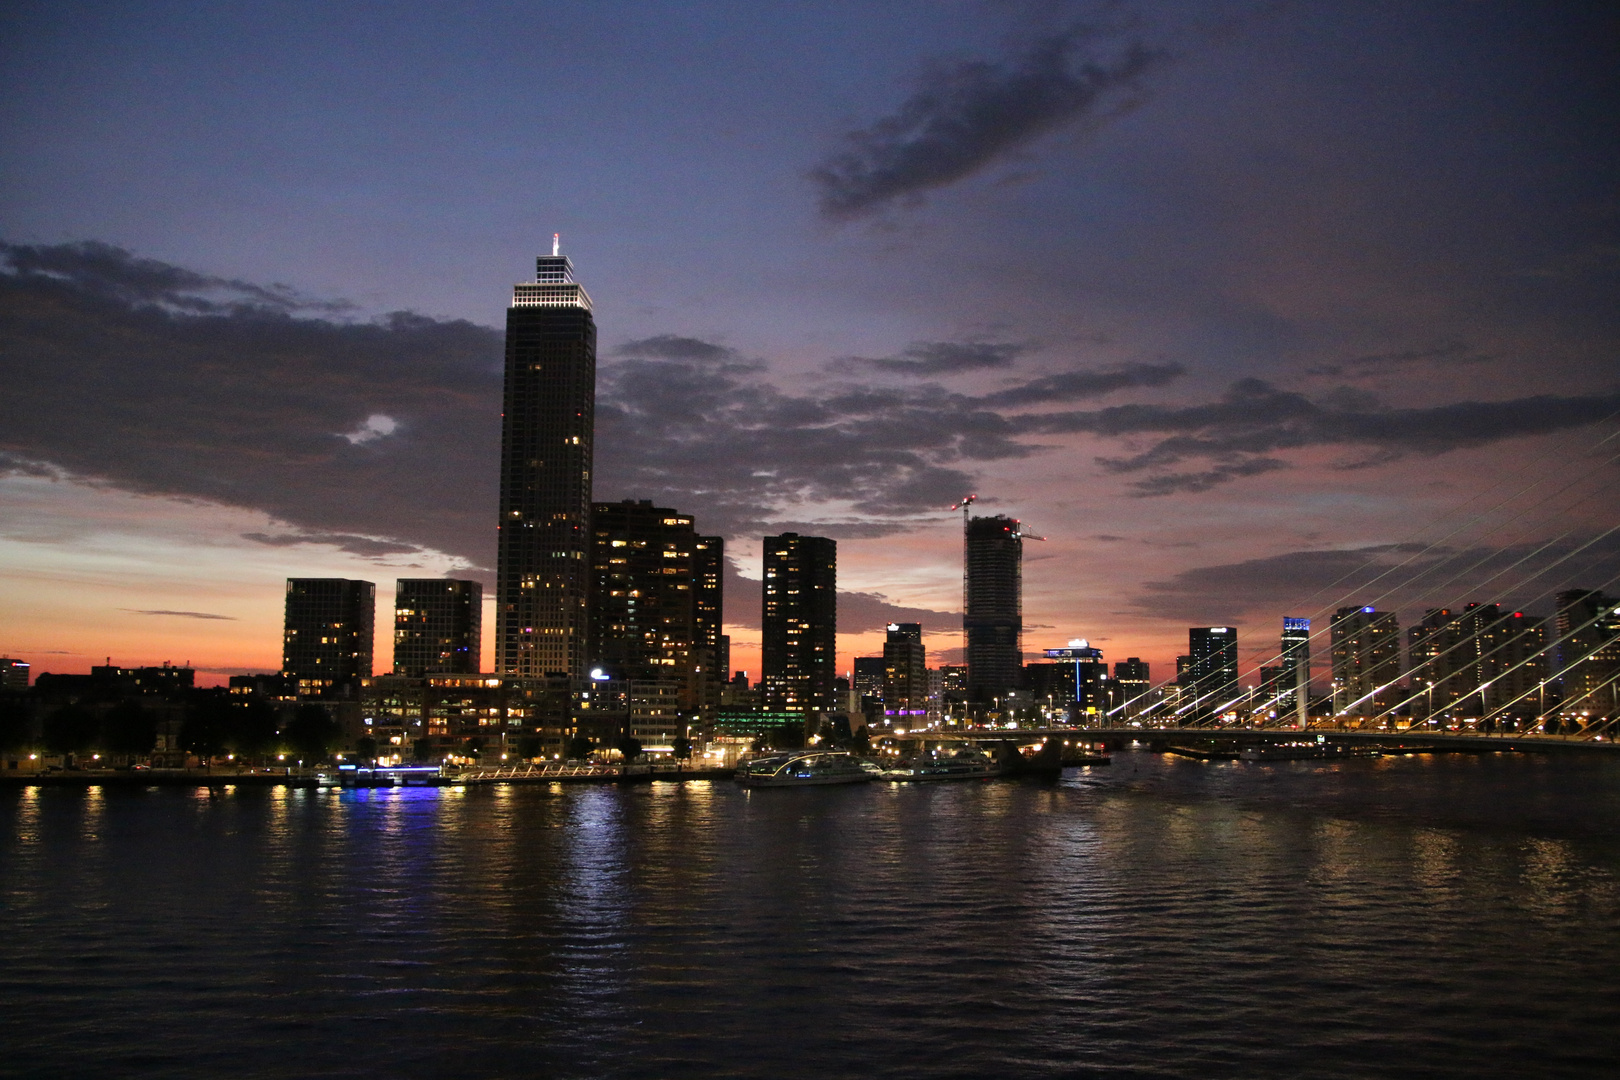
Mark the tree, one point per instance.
(366, 748)
(252, 726)
(630, 748)
(208, 725)
(72, 729)
(129, 729)
(578, 747)
(683, 748)
(311, 733)
(835, 732)
(788, 737)
(861, 742)
(529, 747)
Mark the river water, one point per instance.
(1416, 916)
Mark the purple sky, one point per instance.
(1231, 301)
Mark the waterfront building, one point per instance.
(327, 637)
(1366, 649)
(1292, 689)
(992, 612)
(800, 622)
(905, 674)
(1088, 678)
(542, 567)
(1209, 678)
(643, 598)
(438, 624)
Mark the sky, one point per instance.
(1249, 309)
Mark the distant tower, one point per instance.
(328, 636)
(905, 674)
(1133, 678)
(800, 641)
(992, 616)
(708, 616)
(543, 555)
(437, 626)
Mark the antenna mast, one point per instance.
(556, 244)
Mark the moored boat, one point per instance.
(966, 764)
(808, 769)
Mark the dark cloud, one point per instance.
(183, 614)
(938, 358)
(674, 347)
(136, 373)
(964, 115)
(1239, 433)
(367, 546)
(1451, 353)
(1084, 383)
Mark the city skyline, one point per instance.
(1228, 368)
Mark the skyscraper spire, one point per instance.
(556, 244)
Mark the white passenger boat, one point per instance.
(807, 769)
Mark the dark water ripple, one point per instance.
(1409, 917)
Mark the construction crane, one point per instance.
(967, 501)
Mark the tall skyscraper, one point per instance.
(1293, 683)
(328, 637)
(438, 626)
(905, 673)
(1210, 679)
(543, 556)
(708, 617)
(993, 606)
(1366, 660)
(800, 641)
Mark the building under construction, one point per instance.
(993, 606)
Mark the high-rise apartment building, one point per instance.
(1476, 663)
(1088, 677)
(708, 616)
(1366, 646)
(328, 636)
(1587, 653)
(438, 626)
(543, 555)
(645, 584)
(800, 640)
(1209, 681)
(905, 673)
(993, 606)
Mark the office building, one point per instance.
(992, 618)
(1366, 646)
(13, 674)
(1209, 678)
(1088, 678)
(905, 674)
(800, 617)
(438, 624)
(1292, 688)
(328, 636)
(1133, 679)
(543, 553)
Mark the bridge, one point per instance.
(1409, 739)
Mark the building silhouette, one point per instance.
(543, 554)
(1587, 653)
(328, 636)
(1366, 646)
(992, 612)
(905, 673)
(1133, 678)
(708, 617)
(800, 642)
(438, 626)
